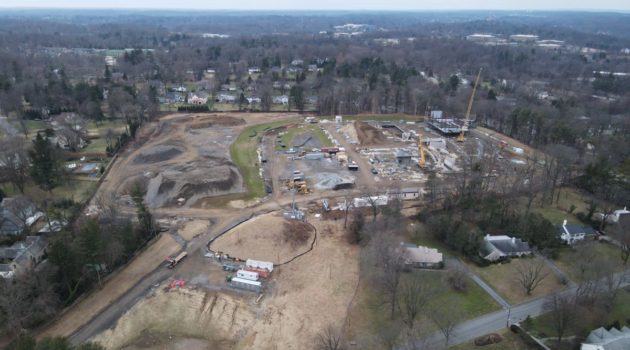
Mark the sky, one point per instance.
(392, 5)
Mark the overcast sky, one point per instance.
(623, 5)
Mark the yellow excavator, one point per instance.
(462, 136)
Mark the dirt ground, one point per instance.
(193, 229)
(369, 135)
(180, 160)
(98, 300)
(261, 238)
(302, 298)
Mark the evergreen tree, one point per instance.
(45, 166)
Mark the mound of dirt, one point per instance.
(216, 317)
(207, 121)
(192, 181)
(157, 154)
(369, 135)
(265, 238)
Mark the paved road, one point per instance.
(493, 322)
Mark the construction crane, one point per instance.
(422, 162)
(462, 136)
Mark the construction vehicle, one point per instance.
(172, 262)
(462, 136)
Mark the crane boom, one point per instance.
(461, 136)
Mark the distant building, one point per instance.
(225, 98)
(405, 194)
(198, 98)
(422, 257)
(500, 247)
(253, 100)
(403, 157)
(481, 38)
(602, 339)
(571, 233)
(524, 37)
(281, 100)
(297, 62)
(253, 70)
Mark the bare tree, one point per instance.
(390, 257)
(621, 233)
(562, 313)
(446, 317)
(414, 296)
(14, 165)
(530, 274)
(329, 339)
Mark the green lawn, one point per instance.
(96, 146)
(511, 341)
(474, 302)
(243, 154)
(605, 253)
(503, 279)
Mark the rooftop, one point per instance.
(613, 339)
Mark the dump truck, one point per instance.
(172, 262)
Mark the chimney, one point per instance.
(564, 223)
(513, 240)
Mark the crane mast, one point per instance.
(462, 136)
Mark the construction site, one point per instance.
(234, 271)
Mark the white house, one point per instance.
(281, 100)
(617, 214)
(571, 233)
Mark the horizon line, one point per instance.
(34, 8)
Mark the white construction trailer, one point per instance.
(242, 283)
(248, 275)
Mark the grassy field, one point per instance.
(243, 154)
(474, 302)
(511, 341)
(289, 135)
(605, 253)
(503, 279)
(76, 189)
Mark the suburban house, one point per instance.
(22, 255)
(225, 98)
(613, 339)
(17, 214)
(252, 100)
(198, 98)
(281, 100)
(496, 248)
(422, 257)
(618, 214)
(405, 194)
(571, 233)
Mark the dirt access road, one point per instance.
(102, 307)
